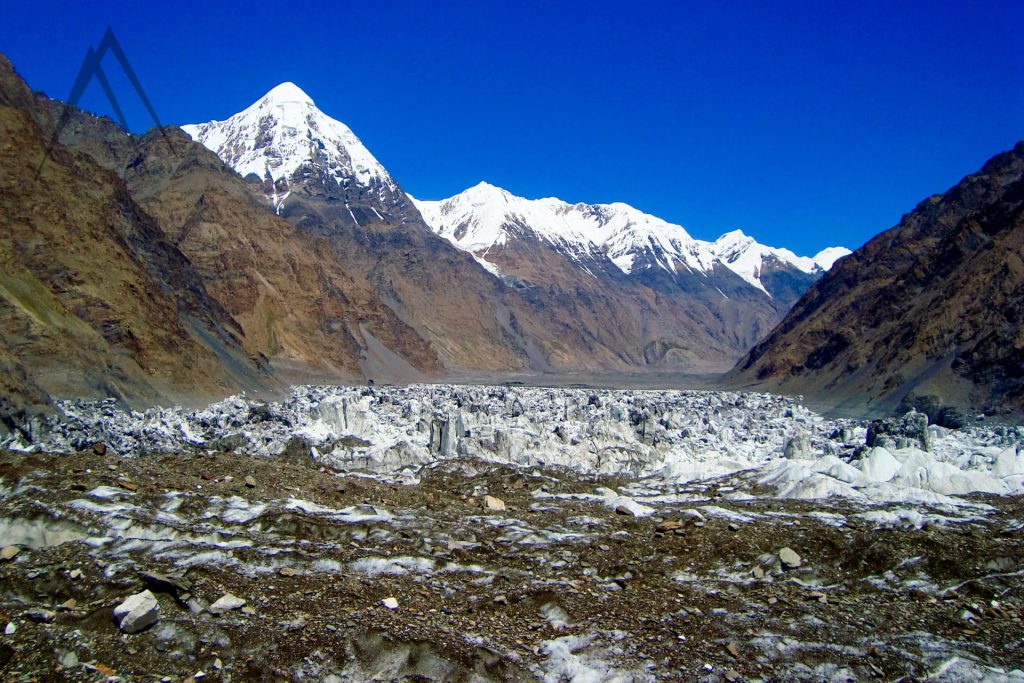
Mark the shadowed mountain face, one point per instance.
(94, 300)
(933, 306)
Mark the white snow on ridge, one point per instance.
(284, 131)
(485, 216)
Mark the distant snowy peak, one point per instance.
(747, 258)
(485, 216)
(282, 133)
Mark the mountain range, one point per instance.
(273, 247)
(548, 286)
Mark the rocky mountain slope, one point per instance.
(313, 171)
(297, 305)
(94, 300)
(643, 296)
(933, 306)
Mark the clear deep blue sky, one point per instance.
(804, 123)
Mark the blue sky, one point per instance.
(804, 123)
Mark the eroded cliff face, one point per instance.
(932, 306)
(94, 300)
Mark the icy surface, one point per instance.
(663, 437)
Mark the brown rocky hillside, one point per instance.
(933, 306)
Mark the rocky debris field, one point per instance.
(445, 534)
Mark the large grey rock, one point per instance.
(903, 432)
(137, 612)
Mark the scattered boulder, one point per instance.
(250, 482)
(390, 603)
(226, 603)
(492, 503)
(789, 558)
(137, 612)
(99, 448)
(43, 616)
(9, 553)
(903, 432)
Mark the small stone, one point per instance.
(733, 526)
(11, 629)
(296, 624)
(127, 485)
(732, 675)
(69, 604)
(733, 650)
(226, 603)
(69, 660)
(789, 558)
(75, 574)
(137, 612)
(772, 600)
(249, 611)
(758, 572)
(492, 503)
(501, 600)
(205, 476)
(217, 664)
(288, 571)
(42, 615)
(9, 553)
(160, 583)
(669, 525)
(250, 482)
(390, 603)
(99, 448)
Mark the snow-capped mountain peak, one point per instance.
(283, 134)
(485, 216)
(288, 93)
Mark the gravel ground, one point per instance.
(558, 586)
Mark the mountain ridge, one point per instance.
(485, 216)
(931, 307)
(580, 307)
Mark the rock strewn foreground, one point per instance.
(345, 557)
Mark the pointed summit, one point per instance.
(286, 93)
(284, 132)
